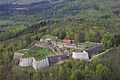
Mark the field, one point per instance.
(71, 49)
(8, 22)
(49, 37)
(38, 53)
(88, 44)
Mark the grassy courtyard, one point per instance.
(38, 53)
(49, 37)
(88, 44)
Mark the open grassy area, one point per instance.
(7, 22)
(71, 49)
(88, 44)
(38, 53)
(26, 56)
(49, 37)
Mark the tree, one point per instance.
(77, 75)
(102, 72)
(96, 61)
(1, 48)
(108, 39)
(61, 74)
(90, 35)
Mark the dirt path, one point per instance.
(99, 54)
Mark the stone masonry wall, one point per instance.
(40, 64)
(82, 55)
(17, 56)
(26, 61)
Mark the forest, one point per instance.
(95, 30)
(27, 13)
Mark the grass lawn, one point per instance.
(71, 49)
(88, 44)
(49, 37)
(26, 56)
(6, 22)
(38, 53)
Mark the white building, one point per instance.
(81, 55)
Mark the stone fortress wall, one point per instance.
(61, 44)
(17, 55)
(88, 53)
(81, 55)
(40, 64)
(59, 56)
(31, 62)
(26, 61)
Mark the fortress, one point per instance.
(60, 50)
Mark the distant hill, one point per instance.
(56, 9)
(24, 1)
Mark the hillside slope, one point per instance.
(83, 29)
(112, 60)
(63, 9)
(24, 1)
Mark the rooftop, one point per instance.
(67, 41)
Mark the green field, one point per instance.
(71, 49)
(49, 37)
(38, 53)
(7, 22)
(88, 44)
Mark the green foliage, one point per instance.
(77, 75)
(109, 40)
(37, 52)
(102, 72)
(62, 9)
(90, 35)
(97, 69)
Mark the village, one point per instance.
(50, 50)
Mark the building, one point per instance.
(81, 55)
(67, 41)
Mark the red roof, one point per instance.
(67, 41)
